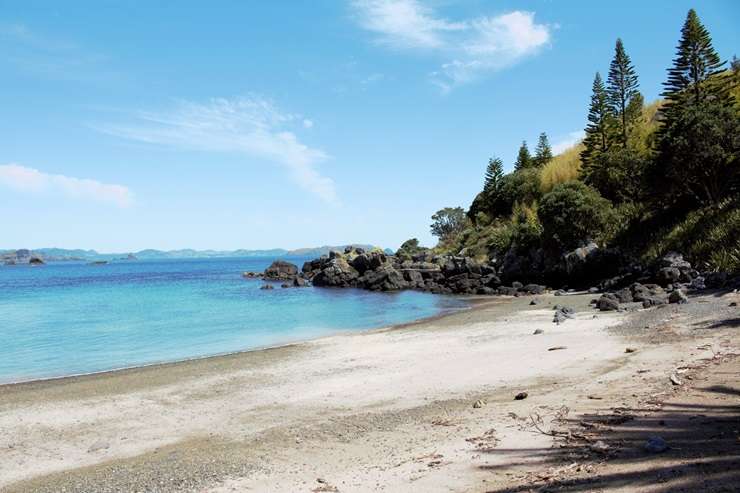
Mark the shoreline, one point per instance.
(426, 406)
(473, 302)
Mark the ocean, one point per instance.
(70, 318)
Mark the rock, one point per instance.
(280, 270)
(35, 261)
(557, 348)
(534, 289)
(538, 332)
(733, 303)
(507, 291)
(99, 445)
(286, 285)
(521, 396)
(560, 292)
(600, 447)
(677, 296)
(655, 445)
(479, 404)
(675, 380)
(299, 282)
(562, 313)
(534, 302)
(698, 283)
(593, 290)
(607, 303)
(630, 350)
(668, 275)
(624, 295)
(267, 286)
(517, 285)
(654, 301)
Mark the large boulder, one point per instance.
(336, 272)
(280, 270)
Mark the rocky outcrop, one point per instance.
(378, 271)
(280, 270)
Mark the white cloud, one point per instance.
(32, 180)
(404, 23)
(307, 123)
(472, 47)
(568, 141)
(251, 126)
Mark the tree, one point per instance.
(597, 129)
(494, 174)
(699, 153)
(698, 143)
(622, 86)
(695, 63)
(543, 151)
(617, 174)
(448, 222)
(573, 213)
(523, 158)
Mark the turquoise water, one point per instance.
(69, 318)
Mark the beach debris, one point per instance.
(521, 396)
(557, 348)
(99, 445)
(655, 445)
(538, 331)
(479, 404)
(486, 442)
(324, 487)
(630, 350)
(594, 397)
(675, 380)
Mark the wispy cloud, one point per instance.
(568, 141)
(31, 180)
(471, 47)
(43, 55)
(252, 126)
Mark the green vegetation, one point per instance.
(646, 178)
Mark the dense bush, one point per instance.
(409, 248)
(573, 213)
(618, 174)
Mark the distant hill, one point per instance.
(61, 254)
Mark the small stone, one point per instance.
(479, 404)
(656, 445)
(521, 396)
(600, 446)
(538, 332)
(534, 302)
(675, 380)
(630, 350)
(734, 303)
(557, 348)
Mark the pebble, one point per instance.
(656, 445)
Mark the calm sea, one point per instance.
(69, 318)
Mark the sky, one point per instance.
(128, 125)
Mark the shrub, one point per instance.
(563, 168)
(573, 213)
(409, 248)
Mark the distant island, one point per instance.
(24, 256)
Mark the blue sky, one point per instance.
(129, 125)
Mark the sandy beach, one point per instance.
(425, 407)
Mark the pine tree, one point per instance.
(543, 152)
(696, 61)
(524, 158)
(597, 129)
(622, 86)
(494, 173)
